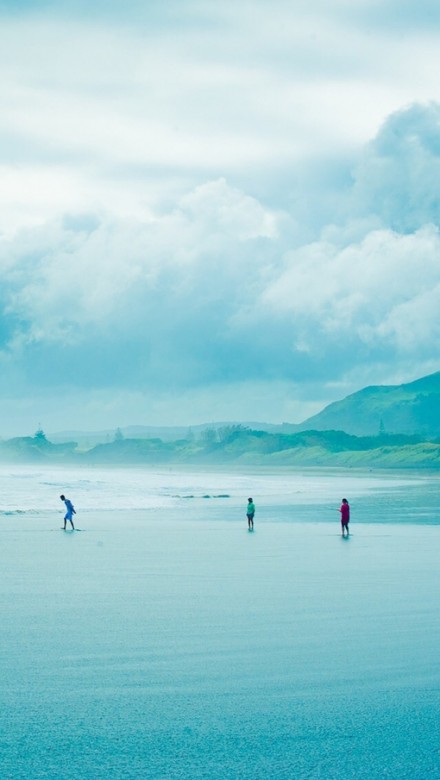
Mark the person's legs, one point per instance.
(68, 517)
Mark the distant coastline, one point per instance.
(235, 445)
(377, 427)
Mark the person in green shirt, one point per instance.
(250, 511)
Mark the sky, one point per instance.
(214, 211)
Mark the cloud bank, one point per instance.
(198, 223)
(211, 294)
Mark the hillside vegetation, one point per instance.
(412, 408)
(237, 444)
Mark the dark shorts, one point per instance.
(250, 517)
(345, 523)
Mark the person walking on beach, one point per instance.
(70, 511)
(345, 516)
(250, 511)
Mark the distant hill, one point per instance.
(412, 409)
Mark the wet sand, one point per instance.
(144, 648)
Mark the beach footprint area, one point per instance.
(168, 644)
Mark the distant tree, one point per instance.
(209, 436)
(119, 436)
(229, 432)
(39, 435)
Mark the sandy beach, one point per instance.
(142, 647)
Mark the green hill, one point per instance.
(412, 408)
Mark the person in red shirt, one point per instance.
(345, 516)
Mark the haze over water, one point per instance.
(165, 641)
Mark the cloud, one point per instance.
(211, 292)
(380, 294)
(398, 176)
(201, 198)
(395, 16)
(161, 291)
(146, 101)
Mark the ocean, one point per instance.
(163, 640)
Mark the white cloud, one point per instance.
(226, 210)
(375, 292)
(209, 287)
(190, 198)
(125, 115)
(115, 273)
(397, 178)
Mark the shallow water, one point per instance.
(171, 643)
(300, 495)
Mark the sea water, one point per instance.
(281, 495)
(163, 640)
